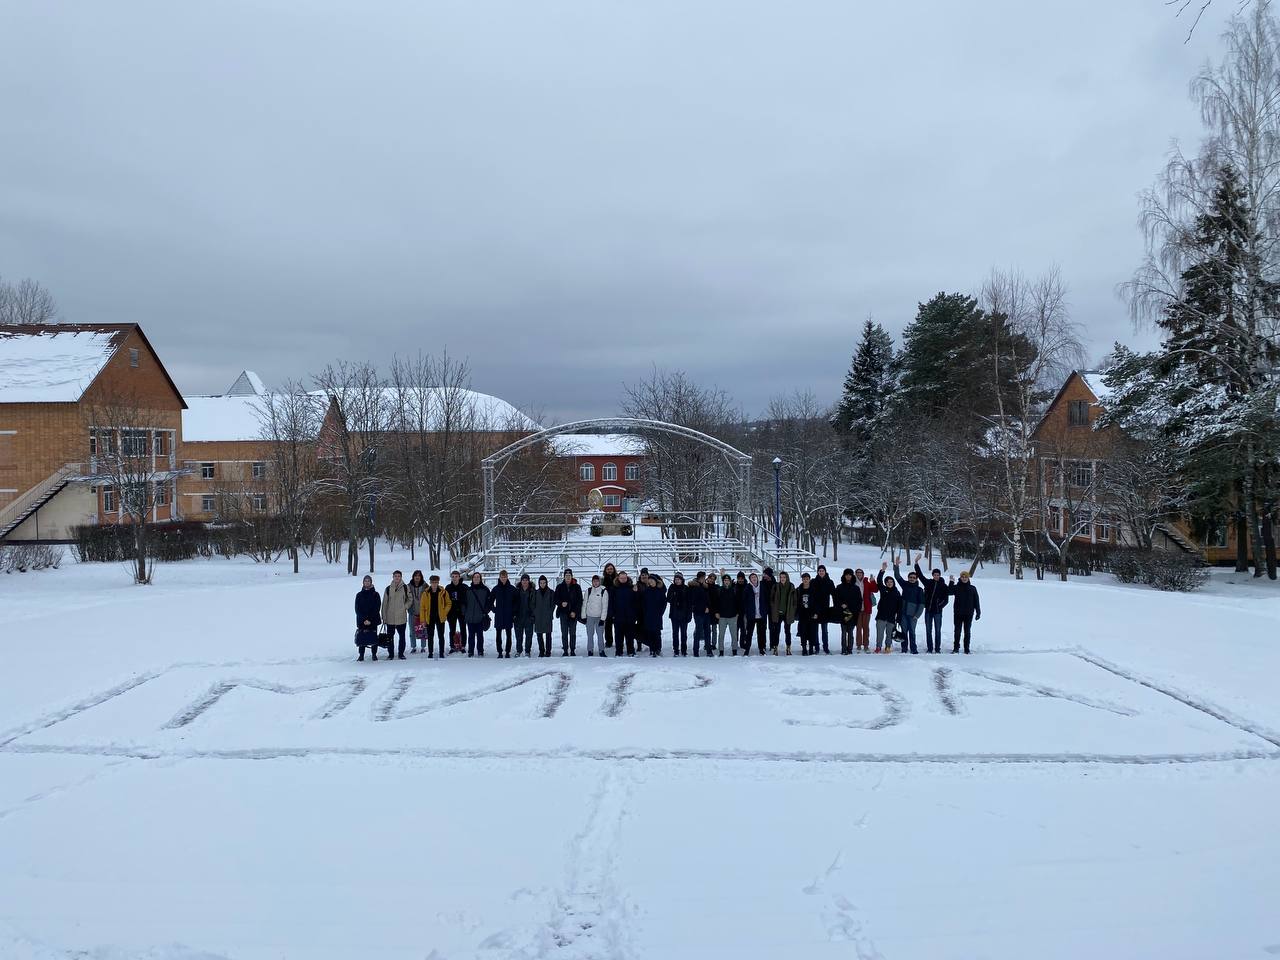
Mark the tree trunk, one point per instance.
(371, 539)
(1269, 541)
(1255, 525)
(294, 551)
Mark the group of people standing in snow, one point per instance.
(622, 615)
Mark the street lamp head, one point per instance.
(777, 461)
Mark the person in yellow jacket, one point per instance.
(433, 612)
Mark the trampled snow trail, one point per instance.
(589, 917)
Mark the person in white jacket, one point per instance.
(595, 610)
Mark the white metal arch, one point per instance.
(735, 458)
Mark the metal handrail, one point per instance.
(20, 503)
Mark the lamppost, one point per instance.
(777, 502)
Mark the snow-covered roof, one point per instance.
(247, 384)
(1093, 380)
(598, 445)
(478, 411)
(222, 418)
(53, 363)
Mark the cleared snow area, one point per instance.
(51, 367)
(200, 769)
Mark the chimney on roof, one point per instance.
(248, 384)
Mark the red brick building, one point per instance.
(611, 463)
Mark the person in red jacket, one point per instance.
(869, 588)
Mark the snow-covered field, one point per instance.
(200, 769)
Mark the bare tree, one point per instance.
(291, 420)
(681, 474)
(1035, 345)
(26, 301)
(1141, 484)
(132, 462)
(354, 451)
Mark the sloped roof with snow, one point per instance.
(222, 418)
(54, 363)
(247, 384)
(474, 410)
(1093, 380)
(598, 445)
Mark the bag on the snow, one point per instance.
(384, 639)
(420, 630)
(455, 641)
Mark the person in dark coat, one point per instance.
(888, 609)
(848, 604)
(807, 615)
(569, 610)
(641, 587)
(713, 606)
(503, 603)
(524, 616)
(936, 597)
(369, 617)
(653, 604)
(782, 611)
(679, 612)
(607, 577)
(700, 610)
(457, 591)
(912, 606)
(477, 603)
(727, 613)
(544, 614)
(824, 595)
(966, 608)
(768, 590)
(624, 605)
(753, 615)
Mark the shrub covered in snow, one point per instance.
(21, 557)
(1162, 569)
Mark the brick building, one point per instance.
(1072, 455)
(225, 461)
(611, 463)
(58, 385)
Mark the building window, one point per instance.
(1055, 519)
(1080, 473)
(108, 500)
(1078, 413)
(1102, 530)
(632, 471)
(161, 443)
(259, 470)
(102, 442)
(1217, 536)
(133, 443)
(609, 471)
(206, 471)
(612, 500)
(587, 471)
(206, 504)
(259, 503)
(162, 493)
(133, 356)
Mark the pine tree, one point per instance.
(948, 355)
(870, 380)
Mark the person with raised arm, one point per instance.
(888, 610)
(936, 596)
(912, 606)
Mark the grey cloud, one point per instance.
(568, 192)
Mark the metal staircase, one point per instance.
(13, 515)
(1184, 543)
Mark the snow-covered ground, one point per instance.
(200, 769)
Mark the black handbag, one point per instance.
(384, 639)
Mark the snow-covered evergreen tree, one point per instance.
(871, 378)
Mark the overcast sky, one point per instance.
(569, 191)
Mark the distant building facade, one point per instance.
(611, 463)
